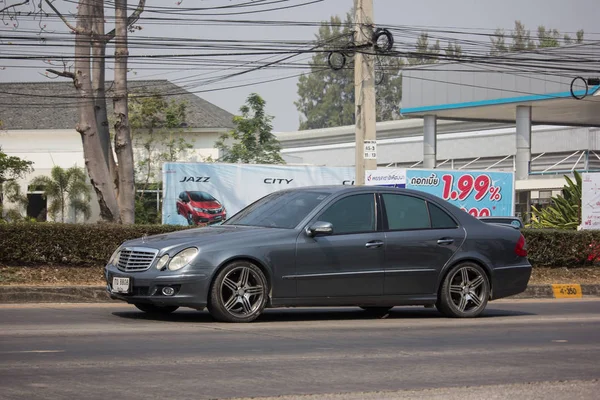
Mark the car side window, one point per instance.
(352, 214)
(440, 218)
(406, 212)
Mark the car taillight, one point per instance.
(521, 248)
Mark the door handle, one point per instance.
(445, 241)
(374, 244)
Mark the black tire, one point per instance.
(242, 303)
(464, 296)
(157, 310)
(376, 310)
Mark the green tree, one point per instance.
(252, 140)
(520, 39)
(12, 193)
(11, 169)
(425, 53)
(326, 97)
(565, 210)
(157, 130)
(65, 189)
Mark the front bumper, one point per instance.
(191, 288)
(208, 218)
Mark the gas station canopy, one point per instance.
(559, 84)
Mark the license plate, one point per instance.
(218, 217)
(120, 285)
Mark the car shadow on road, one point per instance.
(314, 314)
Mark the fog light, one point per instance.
(168, 291)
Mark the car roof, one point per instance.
(364, 188)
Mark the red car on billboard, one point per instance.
(200, 207)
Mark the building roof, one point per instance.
(53, 105)
(560, 84)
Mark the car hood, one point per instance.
(201, 236)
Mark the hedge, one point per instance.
(92, 245)
(68, 244)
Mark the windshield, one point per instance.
(201, 196)
(279, 210)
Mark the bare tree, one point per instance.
(113, 180)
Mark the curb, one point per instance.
(97, 294)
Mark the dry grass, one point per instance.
(93, 276)
(52, 276)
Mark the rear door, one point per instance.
(420, 238)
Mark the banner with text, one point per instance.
(392, 177)
(590, 201)
(207, 193)
(480, 193)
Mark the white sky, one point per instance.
(567, 16)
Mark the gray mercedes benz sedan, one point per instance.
(365, 246)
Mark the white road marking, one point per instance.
(31, 351)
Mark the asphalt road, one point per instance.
(546, 349)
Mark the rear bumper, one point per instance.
(191, 289)
(511, 280)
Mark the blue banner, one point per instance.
(480, 193)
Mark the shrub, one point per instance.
(562, 248)
(68, 244)
(92, 245)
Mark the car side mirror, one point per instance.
(319, 228)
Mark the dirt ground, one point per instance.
(93, 276)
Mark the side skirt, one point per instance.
(376, 301)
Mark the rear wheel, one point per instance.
(152, 309)
(239, 293)
(465, 291)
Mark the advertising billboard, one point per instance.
(590, 201)
(392, 177)
(207, 193)
(480, 193)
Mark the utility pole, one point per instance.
(364, 90)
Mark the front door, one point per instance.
(420, 238)
(350, 261)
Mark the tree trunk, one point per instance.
(123, 145)
(87, 126)
(99, 86)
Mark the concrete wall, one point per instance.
(462, 145)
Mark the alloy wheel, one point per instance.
(242, 292)
(467, 289)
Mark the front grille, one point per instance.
(132, 259)
(214, 210)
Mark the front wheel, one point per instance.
(159, 310)
(464, 292)
(239, 293)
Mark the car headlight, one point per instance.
(183, 258)
(115, 257)
(200, 209)
(162, 262)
